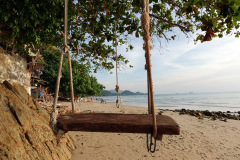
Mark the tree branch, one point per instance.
(173, 24)
(162, 33)
(69, 36)
(2, 25)
(79, 47)
(175, 3)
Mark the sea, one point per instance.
(224, 101)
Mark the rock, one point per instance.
(235, 117)
(199, 114)
(225, 120)
(25, 131)
(192, 113)
(213, 115)
(214, 118)
(224, 115)
(160, 112)
(207, 113)
(218, 113)
(181, 113)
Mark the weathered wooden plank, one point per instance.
(121, 123)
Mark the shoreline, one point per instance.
(214, 115)
(199, 138)
(213, 102)
(175, 108)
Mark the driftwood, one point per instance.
(120, 123)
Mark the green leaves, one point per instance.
(31, 22)
(213, 17)
(84, 84)
(92, 24)
(96, 35)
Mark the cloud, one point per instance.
(184, 67)
(204, 67)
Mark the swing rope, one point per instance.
(65, 50)
(145, 23)
(117, 89)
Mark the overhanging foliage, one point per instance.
(92, 24)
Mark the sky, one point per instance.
(180, 67)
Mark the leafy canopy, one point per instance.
(92, 24)
(31, 23)
(84, 84)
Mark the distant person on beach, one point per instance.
(42, 95)
(103, 101)
(75, 98)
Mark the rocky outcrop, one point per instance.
(213, 115)
(14, 68)
(25, 132)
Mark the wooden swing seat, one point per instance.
(118, 123)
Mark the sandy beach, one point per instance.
(199, 139)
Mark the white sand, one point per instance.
(199, 139)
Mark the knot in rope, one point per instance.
(66, 48)
(117, 89)
(147, 67)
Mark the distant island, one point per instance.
(123, 93)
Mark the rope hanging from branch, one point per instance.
(54, 112)
(145, 24)
(117, 89)
(68, 53)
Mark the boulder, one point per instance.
(25, 131)
(207, 113)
